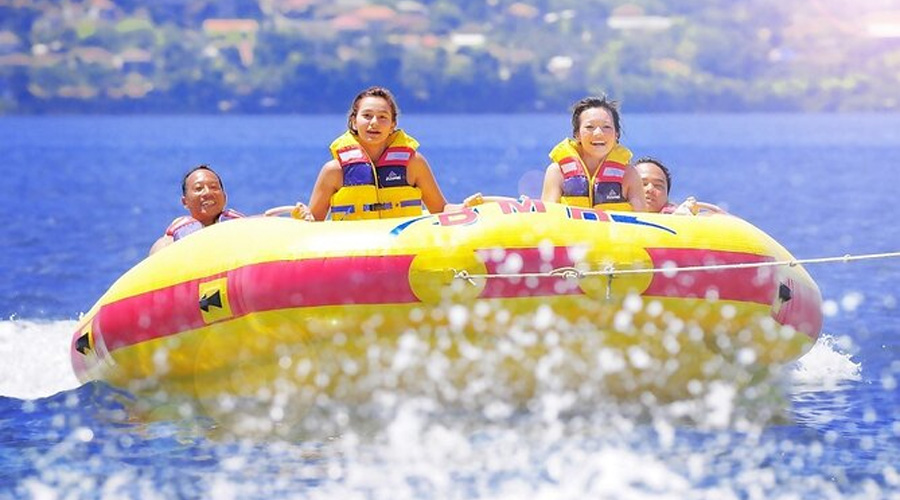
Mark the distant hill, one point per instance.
(312, 56)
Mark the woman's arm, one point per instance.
(634, 189)
(553, 182)
(691, 206)
(418, 174)
(330, 179)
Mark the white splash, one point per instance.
(827, 365)
(35, 358)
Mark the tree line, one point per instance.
(710, 56)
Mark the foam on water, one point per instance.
(37, 365)
(35, 358)
(422, 452)
(418, 457)
(826, 366)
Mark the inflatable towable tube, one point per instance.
(229, 308)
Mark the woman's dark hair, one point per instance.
(595, 102)
(665, 171)
(191, 171)
(371, 92)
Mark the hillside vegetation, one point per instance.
(302, 56)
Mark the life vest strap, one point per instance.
(344, 209)
(375, 207)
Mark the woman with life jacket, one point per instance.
(592, 169)
(203, 195)
(376, 171)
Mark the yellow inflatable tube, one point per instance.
(241, 304)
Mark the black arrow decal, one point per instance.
(784, 292)
(83, 343)
(214, 300)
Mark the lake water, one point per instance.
(83, 198)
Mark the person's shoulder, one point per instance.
(230, 213)
(162, 242)
(181, 219)
(178, 222)
(418, 158)
(331, 165)
(669, 208)
(631, 171)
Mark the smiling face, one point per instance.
(374, 121)
(203, 197)
(656, 187)
(596, 134)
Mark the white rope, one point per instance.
(573, 273)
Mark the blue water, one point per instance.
(83, 198)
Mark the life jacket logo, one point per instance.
(392, 176)
(606, 192)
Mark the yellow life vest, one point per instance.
(379, 190)
(605, 190)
